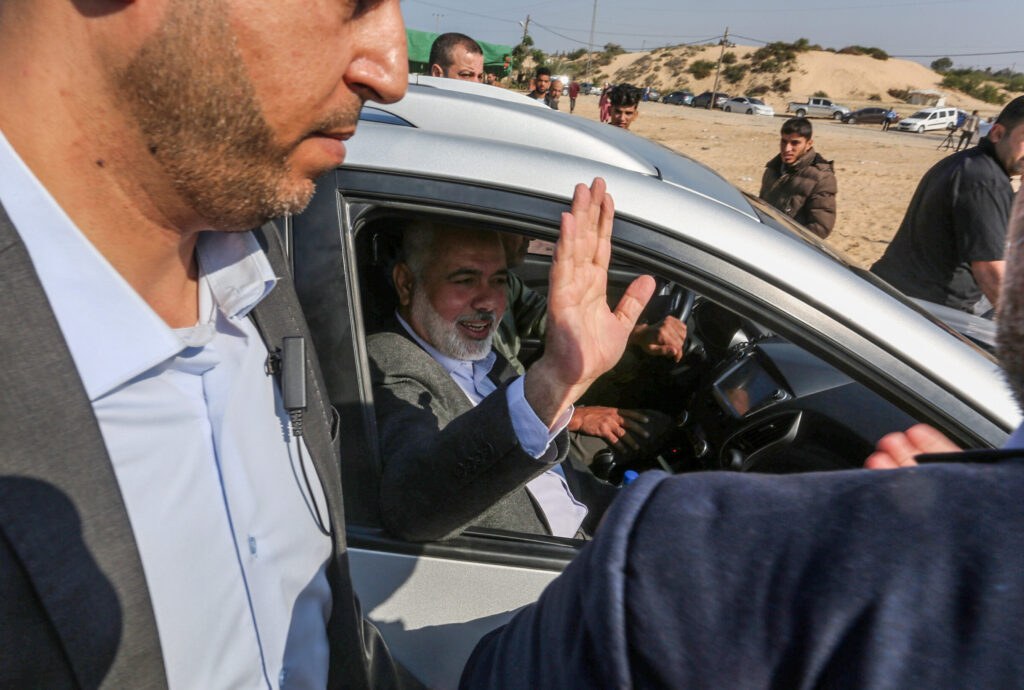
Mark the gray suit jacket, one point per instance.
(74, 605)
(448, 464)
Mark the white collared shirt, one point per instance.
(196, 433)
(562, 511)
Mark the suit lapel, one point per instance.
(60, 505)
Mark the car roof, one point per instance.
(484, 111)
(476, 88)
(545, 153)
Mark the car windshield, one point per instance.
(758, 101)
(775, 219)
(920, 115)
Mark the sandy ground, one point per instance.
(876, 171)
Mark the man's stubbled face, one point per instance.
(198, 113)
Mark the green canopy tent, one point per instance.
(419, 43)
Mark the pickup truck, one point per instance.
(818, 107)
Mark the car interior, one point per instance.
(742, 398)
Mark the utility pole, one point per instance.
(526, 27)
(437, 22)
(718, 70)
(593, 20)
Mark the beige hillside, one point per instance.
(853, 80)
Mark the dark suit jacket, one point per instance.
(908, 578)
(445, 463)
(74, 606)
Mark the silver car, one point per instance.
(749, 106)
(795, 360)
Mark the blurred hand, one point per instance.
(662, 339)
(584, 337)
(899, 448)
(620, 428)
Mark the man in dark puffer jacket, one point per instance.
(799, 182)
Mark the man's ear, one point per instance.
(436, 71)
(996, 133)
(404, 281)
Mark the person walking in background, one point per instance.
(554, 94)
(457, 56)
(890, 117)
(949, 247)
(970, 127)
(574, 91)
(799, 182)
(602, 102)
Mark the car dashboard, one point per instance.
(745, 399)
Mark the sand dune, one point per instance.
(848, 79)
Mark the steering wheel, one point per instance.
(669, 299)
(682, 299)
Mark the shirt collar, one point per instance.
(480, 368)
(113, 335)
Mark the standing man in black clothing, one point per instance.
(541, 84)
(949, 248)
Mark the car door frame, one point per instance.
(443, 596)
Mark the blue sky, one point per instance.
(900, 27)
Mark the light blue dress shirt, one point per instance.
(564, 514)
(196, 432)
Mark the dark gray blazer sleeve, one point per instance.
(444, 462)
(907, 578)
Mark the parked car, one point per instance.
(748, 105)
(702, 100)
(929, 119)
(795, 359)
(817, 107)
(678, 98)
(653, 95)
(866, 116)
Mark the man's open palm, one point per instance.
(584, 337)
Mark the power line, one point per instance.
(1002, 52)
(584, 43)
(466, 12)
(552, 29)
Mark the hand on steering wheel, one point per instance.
(663, 339)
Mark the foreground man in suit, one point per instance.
(157, 528)
(908, 578)
(152, 530)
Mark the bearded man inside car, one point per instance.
(462, 436)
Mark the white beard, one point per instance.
(445, 336)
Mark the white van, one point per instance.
(929, 118)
